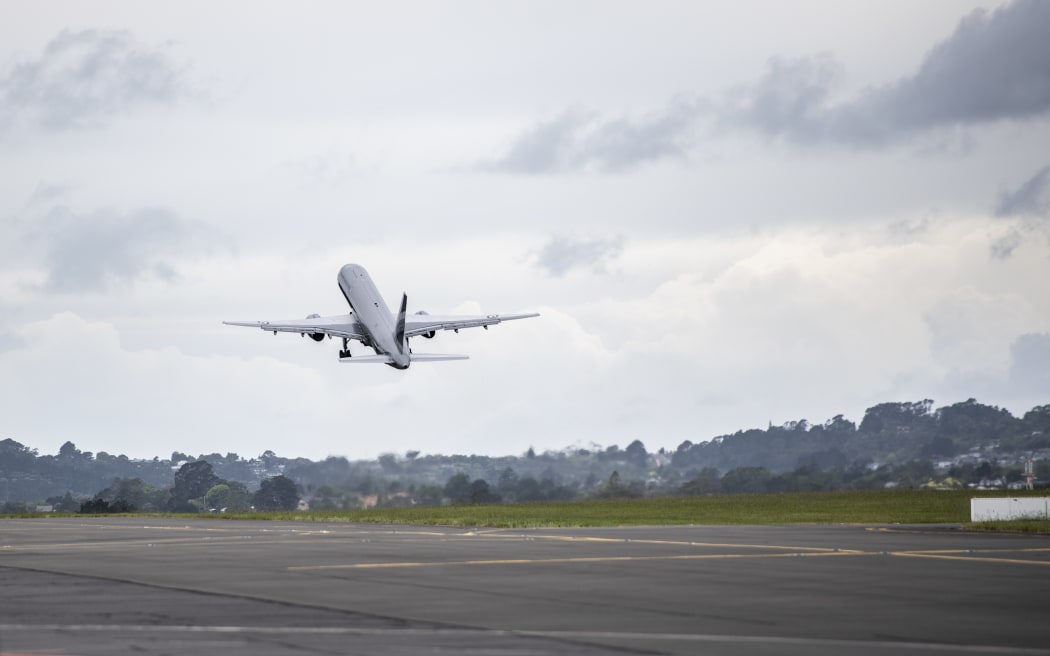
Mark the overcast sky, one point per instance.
(728, 214)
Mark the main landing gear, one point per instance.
(345, 351)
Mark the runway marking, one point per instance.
(137, 542)
(950, 555)
(262, 536)
(893, 646)
(783, 552)
(578, 559)
(675, 543)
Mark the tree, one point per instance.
(746, 479)
(480, 492)
(636, 453)
(277, 493)
(428, 495)
(134, 492)
(706, 482)
(457, 489)
(192, 482)
(839, 424)
(388, 463)
(615, 489)
(218, 497)
(508, 483)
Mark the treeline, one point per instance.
(889, 433)
(907, 444)
(195, 489)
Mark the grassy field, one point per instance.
(859, 507)
(881, 507)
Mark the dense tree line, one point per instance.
(890, 433)
(195, 489)
(907, 444)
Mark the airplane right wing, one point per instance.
(343, 325)
(427, 324)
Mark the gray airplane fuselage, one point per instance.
(372, 314)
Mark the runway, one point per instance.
(157, 586)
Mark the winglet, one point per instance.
(399, 331)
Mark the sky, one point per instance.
(729, 215)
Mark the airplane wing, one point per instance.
(423, 324)
(343, 325)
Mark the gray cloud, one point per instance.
(563, 254)
(578, 140)
(995, 66)
(1003, 247)
(83, 78)
(90, 252)
(1030, 204)
(1032, 198)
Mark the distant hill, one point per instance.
(908, 443)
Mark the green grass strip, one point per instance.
(854, 507)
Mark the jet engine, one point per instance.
(317, 337)
(431, 334)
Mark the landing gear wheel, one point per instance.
(345, 353)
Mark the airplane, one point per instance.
(371, 323)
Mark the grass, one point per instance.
(856, 507)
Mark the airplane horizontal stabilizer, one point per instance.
(368, 359)
(437, 357)
(416, 357)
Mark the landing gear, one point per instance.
(345, 351)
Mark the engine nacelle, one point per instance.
(431, 334)
(317, 337)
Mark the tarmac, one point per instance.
(132, 585)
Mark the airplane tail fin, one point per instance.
(399, 330)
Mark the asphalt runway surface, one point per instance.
(173, 586)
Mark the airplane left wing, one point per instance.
(343, 325)
(427, 324)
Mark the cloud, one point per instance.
(1030, 203)
(90, 252)
(1003, 247)
(1032, 198)
(563, 254)
(993, 67)
(83, 78)
(580, 140)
